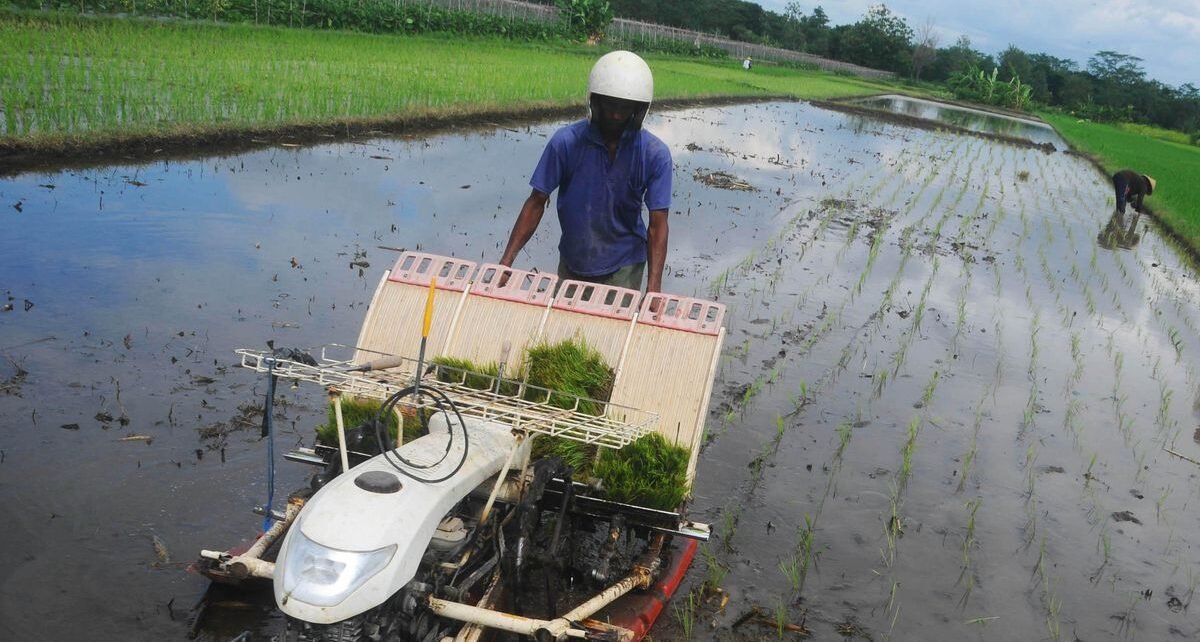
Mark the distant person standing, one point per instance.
(1131, 187)
(747, 63)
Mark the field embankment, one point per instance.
(1176, 202)
(73, 85)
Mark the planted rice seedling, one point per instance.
(781, 617)
(930, 387)
(906, 452)
(893, 526)
(879, 381)
(807, 551)
(1176, 342)
(715, 570)
(1163, 418)
(685, 614)
(790, 567)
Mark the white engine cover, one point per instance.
(345, 517)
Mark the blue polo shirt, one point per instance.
(600, 201)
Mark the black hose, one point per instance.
(400, 462)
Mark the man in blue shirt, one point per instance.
(605, 168)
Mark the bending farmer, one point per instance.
(605, 168)
(1131, 187)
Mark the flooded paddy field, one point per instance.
(958, 397)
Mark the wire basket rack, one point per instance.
(489, 397)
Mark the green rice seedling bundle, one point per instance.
(466, 373)
(648, 472)
(578, 455)
(356, 412)
(571, 367)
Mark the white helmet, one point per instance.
(622, 74)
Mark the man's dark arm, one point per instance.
(1137, 206)
(526, 225)
(656, 249)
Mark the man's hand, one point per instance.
(656, 305)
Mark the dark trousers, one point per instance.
(1122, 188)
(629, 276)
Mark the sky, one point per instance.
(1165, 34)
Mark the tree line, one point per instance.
(1112, 86)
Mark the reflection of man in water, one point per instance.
(1131, 187)
(606, 169)
(1116, 234)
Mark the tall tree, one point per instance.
(924, 49)
(1118, 81)
(1120, 68)
(881, 40)
(1014, 63)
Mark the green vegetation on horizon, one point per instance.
(1175, 166)
(94, 79)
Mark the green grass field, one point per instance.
(66, 80)
(91, 79)
(1175, 166)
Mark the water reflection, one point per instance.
(1119, 233)
(965, 117)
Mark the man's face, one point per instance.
(612, 115)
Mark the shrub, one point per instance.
(585, 19)
(369, 16)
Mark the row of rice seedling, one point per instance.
(1167, 428)
(1050, 550)
(1122, 413)
(952, 208)
(828, 319)
(795, 566)
(784, 244)
(968, 574)
(1028, 433)
(778, 255)
(1045, 550)
(967, 578)
(969, 516)
(893, 517)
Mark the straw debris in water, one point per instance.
(722, 180)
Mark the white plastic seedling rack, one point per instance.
(529, 410)
(663, 351)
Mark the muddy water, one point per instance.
(949, 383)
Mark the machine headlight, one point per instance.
(324, 576)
